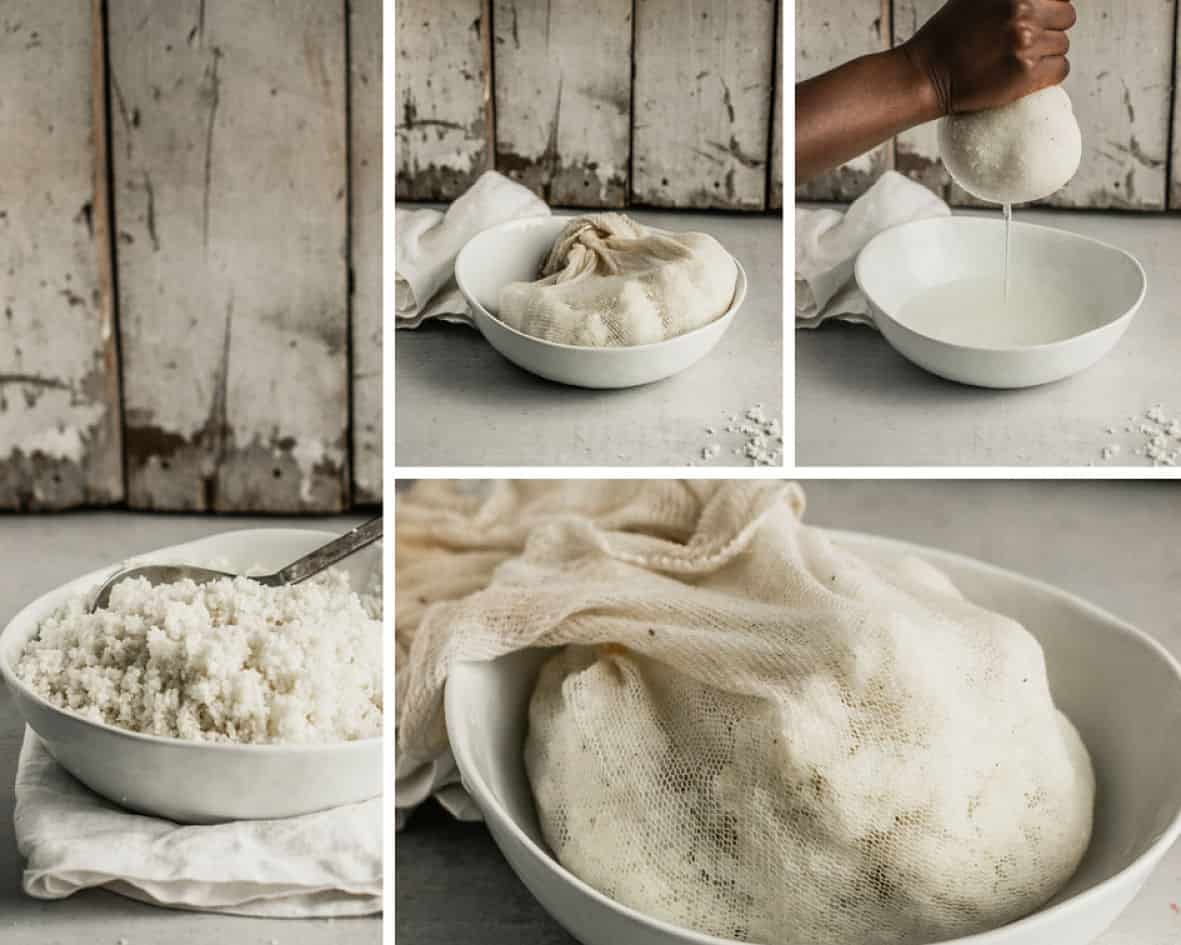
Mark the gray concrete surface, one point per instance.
(859, 403)
(459, 403)
(1117, 544)
(36, 555)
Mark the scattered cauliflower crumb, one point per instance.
(1160, 437)
(228, 661)
(761, 438)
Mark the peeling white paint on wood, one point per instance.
(365, 245)
(1121, 60)
(59, 433)
(829, 35)
(230, 174)
(702, 103)
(443, 123)
(563, 98)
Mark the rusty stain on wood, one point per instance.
(59, 381)
(443, 126)
(237, 172)
(563, 98)
(703, 81)
(366, 243)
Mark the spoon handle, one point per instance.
(324, 557)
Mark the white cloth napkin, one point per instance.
(427, 242)
(828, 241)
(416, 780)
(326, 864)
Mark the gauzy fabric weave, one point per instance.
(745, 729)
(609, 281)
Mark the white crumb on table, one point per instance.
(1157, 434)
(760, 438)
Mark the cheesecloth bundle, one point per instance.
(609, 281)
(749, 731)
(1023, 151)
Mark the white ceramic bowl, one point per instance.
(195, 782)
(1120, 688)
(513, 252)
(1103, 288)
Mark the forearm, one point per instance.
(855, 107)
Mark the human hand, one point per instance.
(978, 54)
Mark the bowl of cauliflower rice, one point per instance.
(203, 703)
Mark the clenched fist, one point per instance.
(986, 53)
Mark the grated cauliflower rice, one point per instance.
(227, 661)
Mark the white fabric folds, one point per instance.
(610, 281)
(319, 865)
(427, 242)
(745, 729)
(828, 241)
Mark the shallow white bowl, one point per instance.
(513, 252)
(898, 264)
(1120, 688)
(196, 782)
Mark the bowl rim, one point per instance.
(480, 312)
(21, 688)
(494, 811)
(1044, 347)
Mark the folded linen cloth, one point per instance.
(455, 599)
(427, 241)
(318, 865)
(828, 241)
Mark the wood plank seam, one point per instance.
(1173, 143)
(349, 478)
(776, 79)
(104, 222)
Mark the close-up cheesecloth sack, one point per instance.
(747, 730)
(609, 281)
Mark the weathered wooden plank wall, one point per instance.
(233, 286)
(563, 98)
(828, 34)
(595, 103)
(230, 240)
(444, 124)
(703, 93)
(1121, 58)
(1120, 83)
(365, 244)
(59, 380)
(1175, 189)
(775, 196)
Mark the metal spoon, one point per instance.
(299, 570)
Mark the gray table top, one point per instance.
(459, 403)
(36, 555)
(860, 403)
(453, 887)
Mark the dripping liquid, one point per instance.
(1008, 232)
